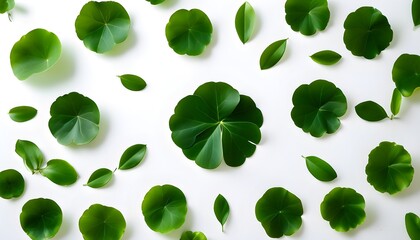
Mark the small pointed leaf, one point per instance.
(221, 209)
(132, 82)
(132, 157)
(396, 101)
(320, 169)
(326, 57)
(100, 178)
(371, 111)
(30, 153)
(415, 10)
(412, 224)
(22, 113)
(245, 22)
(60, 172)
(272, 54)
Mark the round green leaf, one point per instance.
(216, 123)
(189, 235)
(132, 82)
(132, 156)
(30, 153)
(6, 5)
(389, 168)
(326, 57)
(371, 111)
(164, 208)
(307, 16)
(12, 184)
(280, 212)
(320, 169)
(41, 218)
(100, 178)
(412, 224)
(59, 172)
(100, 222)
(74, 119)
(317, 107)
(406, 73)
(22, 113)
(221, 209)
(245, 22)
(415, 12)
(344, 208)
(367, 32)
(189, 31)
(396, 102)
(35, 52)
(272, 54)
(102, 25)
(155, 2)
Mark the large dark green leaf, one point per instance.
(371, 111)
(132, 156)
(307, 16)
(406, 73)
(189, 235)
(415, 12)
(395, 102)
(272, 54)
(74, 119)
(30, 153)
(412, 224)
(320, 169)
(389, 168)
(22, 113)
(221, 209)
(280, 212)
(12, 184)
(100, 178)
(326, 57)
(6, 5)
(317, 107)
(59, 172)
(215, 124)
(102, 25)
(367, 32)
(245, 22)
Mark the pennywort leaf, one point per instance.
(22, 113)
(396, 102)
(272, 54)
(132, 82)
(155, 2)
(59, 172)
(415, 12)
(412, 225)
(406, 73)
(189, 235)
(326, 57)
(307, 16)
(132, 156)
(12, 184)
(245, 22)
(100, 178)
(371, 111)
(221, 209)
(31, 154)
(320, 169)
(6, 5)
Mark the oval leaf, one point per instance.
(59, 172)
(132, 157)
(12, 184)
(221, 209)
(132, 82)
(6, 5)
(22, 113)
(272, 54)
(326, 57)
(189, 235)
(389, 168)
(100, 178)
(415, 12)
(320, 169)
(35, 52)
(307, 16)
(155, 2)
(164, 208)
(280, 212)
(396, 102)
(245, 22)
(344, 208)
(412, 224)
(102, 25)
(370, 111)
(30, 153)
(406, 73)
(41, 218)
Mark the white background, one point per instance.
(129, 118)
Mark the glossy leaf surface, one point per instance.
(245, 22)
(189, 235)
(317, 107)
(100, 178)
(389, 168)
(221, 209)
(59, 172)
(132, 82)
(320, 169)
(22, 113)
(406, 73)
(396, 102)
(132, 156)
(280, 212)
(412, 225)
(155, 2)
(12, 184)
(326, 57)
(415, 12)
(272, 54)
(371, 111)
(307, 16)
(6, 5)
(30, 153)
(74, 119)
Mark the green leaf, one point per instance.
(221, 209)
(317, 107)
(74, 119)
(415, 12)
(307, 16)
(320, 169)
(132, 156)
(326, 57)
(164, 208)
(189, 31)
(30, 153)
(406, 74)
(344, 208)
(367, 32)
(396, 102)
(59, 172)
(132, 82)
(100, 178)
(6, 5)
(371, 111)
(155, 2)
(412, 224)
(272, 54)
(389, 168)
(22, 113)
(12, 184)
(189, 235)
(41, 218)
(100, 222)
(280, 212)
(245, 22)
(35, 52)
(102, 25)
(216, 123)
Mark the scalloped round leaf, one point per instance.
(221, 209)
(317, 107)
(132, 156)
(389, 168)
(396, 102)
(6, 5)
(12, 184)
(22, 113)
(326, 57)
(412, 225)
(132, 82)
(344, 208)
(280, 212)
(406, 73)
(272, 54)
(245, 22)
(189, 235)
(320, 169)
(155, 2)
(307, 16)
(102, 25)
(100, 178)
(41, 218)
(37, 51)
(74, 119)
(164, 208)
(30, 153)
(189, 31)
(100, 222)
(371, 111)
(367, 32)
(415, 12)
(60, 172)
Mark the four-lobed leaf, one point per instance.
(59, 172)
(6, 5)
(100, 178)
(221, 209)
(245, 22)
(371, 111)
(406, 73)
(31, 154)
(189, 235)
(22, 113)
(132, 156)
(273, 54)
(12, 184)
(415, 12)
(412, 225)
(396, 102)
(307, 16)
(320, 169)
(132, 82)
(326, 57)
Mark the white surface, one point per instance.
(129, 117)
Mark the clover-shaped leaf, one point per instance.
(12, 184)
(6, 5)
(389, 168)
(102, 25)
(344, 208)
(307, 16)
(317, 107)
(406, 73)
(216, 123)
(189, 235)
(189, 31)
